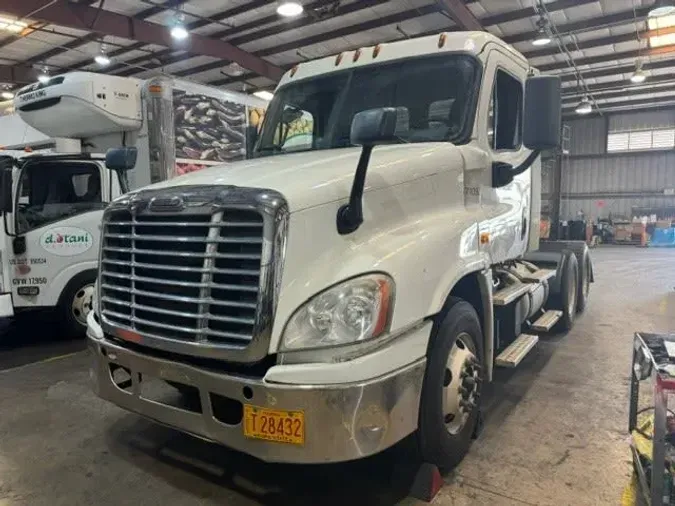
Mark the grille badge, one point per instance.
(174, 203)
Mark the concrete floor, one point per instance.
(555, 430)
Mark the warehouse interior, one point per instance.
(562, 423)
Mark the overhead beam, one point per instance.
(585, 25)
(621, 84)
(594, 60)
(229, 13)
(622, 69)
(620, 93)
(638, 103)
(256, 35)
(90, 37)
(322, 37)
(105, 22)
(461, 15)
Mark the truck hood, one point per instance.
(313, 178)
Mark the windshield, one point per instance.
(52, 191)
(317, 113)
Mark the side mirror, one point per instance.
(6, 200)
(121, 159)
(379, 126)
(543, 113)
(369, 128)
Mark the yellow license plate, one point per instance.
(274, 425)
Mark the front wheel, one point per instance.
(76, 303)
(450, 401)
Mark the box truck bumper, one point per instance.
(6, 306)
(271, 421)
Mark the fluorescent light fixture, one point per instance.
(12, 25)
(265, 95)
(289, 9)
(178, 30)
(639, 76)
(7, 95)
(102, 59)
(662, 8)
(43, 77)
(584, 107)
(543, 36)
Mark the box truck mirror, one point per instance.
(369, 128)
(121, 159)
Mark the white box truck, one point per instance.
(53, 200)
(359, 280)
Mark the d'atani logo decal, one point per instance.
(66, 241)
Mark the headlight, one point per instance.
(353, 311)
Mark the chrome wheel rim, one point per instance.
(81, 304)
(461, 384)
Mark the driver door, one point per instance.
(57, 212)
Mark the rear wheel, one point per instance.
(450, 401)
(566, 300)
(76, 303)
(584, 280)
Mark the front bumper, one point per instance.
(342, 421)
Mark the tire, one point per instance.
(566, 300)
(75, 303)
(581, 251)
(584, 284)
(444, 437)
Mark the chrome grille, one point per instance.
(193, 277)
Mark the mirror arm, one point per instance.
(527, 163)
(350, 216)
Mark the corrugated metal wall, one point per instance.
(597, 183)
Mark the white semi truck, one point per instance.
(53, 200)
(357, 284)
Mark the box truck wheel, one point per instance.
(75, 303)
(566, 300)
(450, 400)
(584, 280)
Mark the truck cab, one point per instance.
(357, 281)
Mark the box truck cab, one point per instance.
(359, 280)
(53, 200)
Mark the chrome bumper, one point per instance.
(342, 422)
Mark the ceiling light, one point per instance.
(289, 9)
(265, 95)
(543, 36)
(584, 107)
(639, 76)
(12, 25)
(662, 8)
(7, 95)
(43, 76)
(178, 30)
(235, 69)
(102, 59)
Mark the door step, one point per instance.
(539, 276)
(516, 351)
(546, 321)
(507, 295)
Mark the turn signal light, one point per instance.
(338, 59)
(357, 54)
(441, 40)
